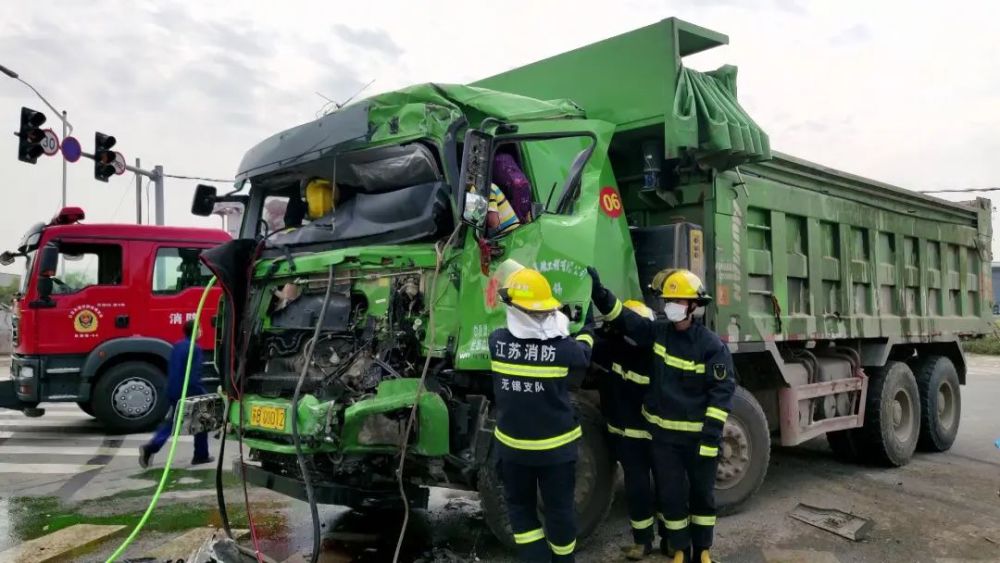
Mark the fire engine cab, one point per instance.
(98, 310)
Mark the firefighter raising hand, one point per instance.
(535, 364)
(689, 399)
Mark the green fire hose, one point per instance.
(178, 420)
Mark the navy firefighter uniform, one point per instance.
(690, 396)
(535, 364)
(622, 391)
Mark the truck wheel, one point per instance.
(940, 402)
(130, 397)
(744, 453)
(892, 416)
(596, 473)
(85, 407)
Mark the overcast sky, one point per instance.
(901, 91)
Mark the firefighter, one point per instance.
(535, 363)
(689, 399)
(622, 392)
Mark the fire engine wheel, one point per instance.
(744, 453)
(130, 397)
(940, 402)
(596, 476)
(86, 407)
(892, 416)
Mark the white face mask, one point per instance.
(676, 312)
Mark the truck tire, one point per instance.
(892, 416)
(85, 407)
(744, 453)
(130, 397)
(940, 402)
(596, 475)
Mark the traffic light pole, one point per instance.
(63, 161)
(156, 176)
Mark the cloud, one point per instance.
(858, 33)
(368, 39)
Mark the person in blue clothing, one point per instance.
(176, 367)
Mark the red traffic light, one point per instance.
(104, 157)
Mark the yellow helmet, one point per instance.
(320, 197)
(639, 308)
(528, 290)
(680, 284)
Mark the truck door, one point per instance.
(175, 279)
(575, 220)
(90, 298)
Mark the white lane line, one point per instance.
(46, 468)
(27, 435)
(50, 422)
(15, 415)
(66, 450)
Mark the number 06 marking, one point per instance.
(610, 202)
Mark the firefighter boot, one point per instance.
(638, 551)
(675, 555)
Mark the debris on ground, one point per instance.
(443, 555)
(832, 520)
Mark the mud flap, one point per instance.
(8, 396)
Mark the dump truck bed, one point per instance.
(794, 250)
(802, 251)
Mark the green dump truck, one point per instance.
(842, 299)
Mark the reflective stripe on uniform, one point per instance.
(674, 524)
(708, 451)
(703, 520)
(586, 338)
(629, 375)
(523, 370)
(563, 549)
(642, 524)
(679, 425)
(539, 445)
(528, 537)
(615, 311)
(675, 362)
(630, 432)
(717, 414)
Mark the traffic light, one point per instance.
(104, 157)
(30, 136)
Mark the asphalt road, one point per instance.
(62, 468)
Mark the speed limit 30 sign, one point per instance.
(49, 143)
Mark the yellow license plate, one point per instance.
(272, 418)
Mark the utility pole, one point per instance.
(138, 194)
(63, 138)
(158, 193)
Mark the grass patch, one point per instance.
(988, 344)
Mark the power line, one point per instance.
(195, 178)
(963, 190)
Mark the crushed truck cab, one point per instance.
(836, 294)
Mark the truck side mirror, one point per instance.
(475, 210)
(474, 178)
(204, 200)
(44, 289)
(48, 260)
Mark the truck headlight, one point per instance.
(27, 372)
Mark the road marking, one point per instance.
(91, 437)
(15, 415)
(43, 422)
(66, 450)
(46, 468)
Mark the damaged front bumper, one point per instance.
(373, 425)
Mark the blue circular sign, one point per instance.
(71, 149)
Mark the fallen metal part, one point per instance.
(832, 520)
